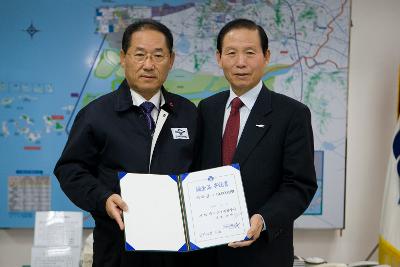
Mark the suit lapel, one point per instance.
(216, 120)
(256, 126)
(166, 110)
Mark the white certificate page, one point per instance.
(215, 206)
(153, 220)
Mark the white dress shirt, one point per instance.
(157, 99)
(248, 99)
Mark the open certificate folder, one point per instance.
(184, 212)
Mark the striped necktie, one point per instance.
(230, 138)
(147, 107)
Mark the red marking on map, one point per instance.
(57, 117)
(284, 52)
(32, 147)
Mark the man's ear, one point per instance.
(171, 59)
(218, 57)
(122, 58)
(267, 57)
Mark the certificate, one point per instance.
(184, 212)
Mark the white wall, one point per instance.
(374, 61)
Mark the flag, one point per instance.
(398, 94)
(389, 239)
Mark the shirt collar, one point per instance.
(249, 98)
(157, 99)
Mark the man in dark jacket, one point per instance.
(270, 136)
(130, 130)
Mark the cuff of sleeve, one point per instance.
(264, 226)
(263, 221)
(101, 205)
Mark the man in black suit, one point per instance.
(133, 129)
(270, 136)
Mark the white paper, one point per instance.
(215, 206)
(153, 220)
(55, 257)
(58, 228)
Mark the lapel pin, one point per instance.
(260, 125)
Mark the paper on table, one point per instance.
(58, 228)
(55, 257)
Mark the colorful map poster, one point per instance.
(57, 56)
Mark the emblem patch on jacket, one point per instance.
(180, 133)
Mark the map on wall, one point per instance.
(57, 56)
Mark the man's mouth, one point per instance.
(148, 76)
(241, 75)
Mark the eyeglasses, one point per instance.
(140, 57)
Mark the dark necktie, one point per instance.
(230, 138)
(147, 107)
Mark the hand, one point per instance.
(256, 226)
(114, 207)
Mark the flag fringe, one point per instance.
(388, 254)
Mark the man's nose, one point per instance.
(148, 63)
(241, 61)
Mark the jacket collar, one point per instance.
(256, 127)
(263, 103)
(169, 103)
(124, 98)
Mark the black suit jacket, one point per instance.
(275, 153)
(111, 135)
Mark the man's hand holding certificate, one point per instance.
(184, 212)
